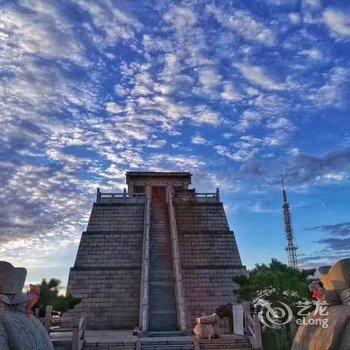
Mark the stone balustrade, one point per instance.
(125, 197)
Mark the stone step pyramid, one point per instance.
(156, 256)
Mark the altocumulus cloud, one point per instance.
(90, 89)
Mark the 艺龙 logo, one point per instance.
(277, 313)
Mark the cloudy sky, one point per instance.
(234, 91)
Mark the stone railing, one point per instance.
(123, 197)
(190, 195)
(144, 294)
(179, 292)
(209, 197)
(246, 323)
(78, 337)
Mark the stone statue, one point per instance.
(328, 329)
(207, 326)
(19, 329)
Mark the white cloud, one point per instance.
(332, 177)
(244, 24)
(207, 116)
(115, 24)
(258, 76)
(230, 93)
(114, 108)
(294, 17)
(238, 156)
(209, 77)
(338, 22)
(42, 32)
(198, 140)
(281, 123)
(314, 54)
(180, 17)
(331, 93)
(249, 119)
(168, 162)
(295, 152)
(313, 3)
(157, 143)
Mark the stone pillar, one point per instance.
(217, 194)
(48, 317)
(98, 195)
(180, 300)
(238, 313)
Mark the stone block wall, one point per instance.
(194, 216)
(208, 248)
(116, 217)
(209, 257)
(110, 249)
(107, 270)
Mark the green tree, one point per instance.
(275, 282)
(49, 295)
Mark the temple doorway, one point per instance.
(159, 194)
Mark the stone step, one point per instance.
(160, 258)
(167, 346)
(109, 346)
(156, 264)
(224, 344)
(160, 262)
(162, 303)
(159, 276)
(170, 334)
(162, 283)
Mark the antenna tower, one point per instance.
(289, 232)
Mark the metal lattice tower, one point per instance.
(288, 228)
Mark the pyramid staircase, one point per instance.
(225, 342)
(162, 303)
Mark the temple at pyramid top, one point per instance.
(155, 186)
(137, 181)
(155, 256)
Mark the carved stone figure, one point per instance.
(328, 329)
(19, 329)
(207, 326)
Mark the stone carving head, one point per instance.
(338, 277)
(11, 278)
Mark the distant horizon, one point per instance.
(233, 92)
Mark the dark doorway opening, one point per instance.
(159, 194)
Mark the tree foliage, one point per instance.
(49, 295)
(275, 282)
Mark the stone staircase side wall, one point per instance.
(107, 270)
(209, 258)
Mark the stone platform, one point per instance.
(125, 340)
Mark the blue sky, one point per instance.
(234, 91)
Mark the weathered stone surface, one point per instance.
(18, 329)
(338, 277)
(107, 270)
(22, 332)
(329, 329)
(11, 278)
(209, 257)
(193, 217)
(123, 217)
